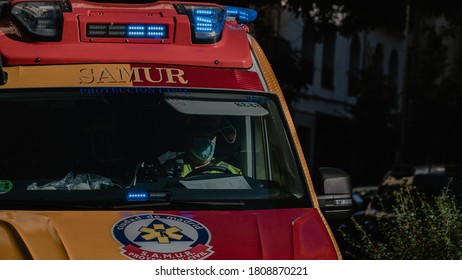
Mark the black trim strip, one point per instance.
(3, 74)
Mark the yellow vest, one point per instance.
(170, 166)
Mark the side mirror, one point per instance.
(333, 188)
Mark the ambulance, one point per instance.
(98, 98)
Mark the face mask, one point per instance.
(203, 148)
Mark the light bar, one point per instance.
(240, 14)
(41, 20)
(152, 31)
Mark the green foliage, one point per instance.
(422, 228)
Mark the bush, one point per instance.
(422, 227)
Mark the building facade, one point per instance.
(322, 114)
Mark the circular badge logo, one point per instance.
(5, 186)
(162, 237)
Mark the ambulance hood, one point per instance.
(242, 234)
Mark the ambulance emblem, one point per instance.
(162, 237)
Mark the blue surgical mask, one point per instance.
(203, 148)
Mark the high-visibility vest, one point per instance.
(170, 167)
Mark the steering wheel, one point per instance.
(207, 169)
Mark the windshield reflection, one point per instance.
(170, 146)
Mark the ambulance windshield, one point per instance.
(124, 147)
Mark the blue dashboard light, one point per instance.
(241, 14)
(137, 196)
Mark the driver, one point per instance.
(201, 149)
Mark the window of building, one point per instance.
(354, 67)
(328, 59)
(393, 71)
(308, 46)
(378, 61)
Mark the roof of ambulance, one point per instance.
(232, 50)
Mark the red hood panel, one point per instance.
(246, 234)
(268, 234)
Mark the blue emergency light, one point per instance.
(154, 31)
(137, 196)
(241, 14)
(43, 20)
(207, 22)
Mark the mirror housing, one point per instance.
(333, 188)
